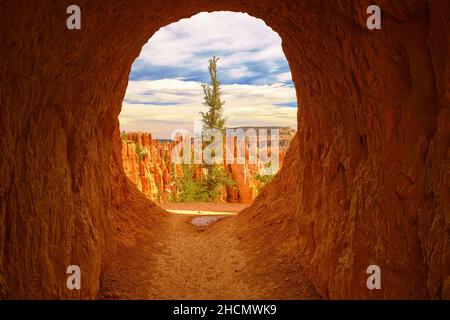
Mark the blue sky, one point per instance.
(164, 92)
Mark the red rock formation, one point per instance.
(155, 174)
(368, 182)
(152, 172)
(245, 175)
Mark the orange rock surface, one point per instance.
(154, 174)
(367, 180)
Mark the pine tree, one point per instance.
(190, 189)
(139, 151)
(213, 118)
(215, 176)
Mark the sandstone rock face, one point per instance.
(154, 173)
(245, 175)
(368, 181)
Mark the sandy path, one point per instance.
(202, 265)
(185, 262)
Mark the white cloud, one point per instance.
(180, 43)
(244, 105)
(247, 47)
(240, 72)
(285, 76)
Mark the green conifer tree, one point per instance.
(215, 176)
(213, 117)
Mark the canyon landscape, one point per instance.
(155, 174)
(365, 180)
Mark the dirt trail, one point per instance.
(182, 261)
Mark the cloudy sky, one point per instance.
(164, 91)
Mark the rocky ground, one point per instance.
(182, 261)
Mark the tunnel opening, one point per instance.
(366, 183)
(203, 255)
(166, 104)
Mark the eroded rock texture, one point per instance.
(148, 163)
(368, 181)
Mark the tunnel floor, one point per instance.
(183, 260)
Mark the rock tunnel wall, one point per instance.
(370, 171)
